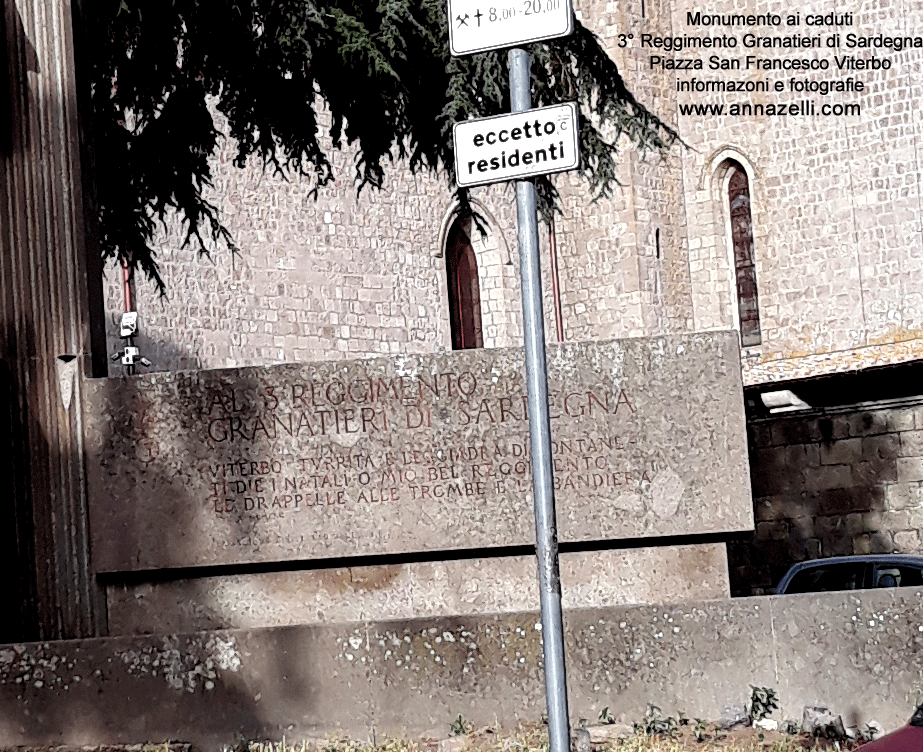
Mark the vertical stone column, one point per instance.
(44, 332)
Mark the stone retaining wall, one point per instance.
(829, 485)
(859, 653)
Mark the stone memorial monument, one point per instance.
(413, 454)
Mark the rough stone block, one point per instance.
(801, 548)
(902, 419)
(907, 541)
(883, 446)
(837, 544)
(413, 454)
(794, 431)
(819, 721)
(769, 473)
(862, 544)
(874, 473)
(868, 423)
(767, 508)
(831, 429)
(904, 496)
(610, 733)
(759, 434)
(813, 548)
(842, 452)
(881, 542)
(784, 506)
(855, 524)
(827, 477)
(909, 469)
(809, 455)
(775, 530)
(911, 443)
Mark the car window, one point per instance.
(897, 575)
(828, 577)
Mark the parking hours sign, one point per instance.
(519, 145)
(479, 25)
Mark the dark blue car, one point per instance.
(853, 573)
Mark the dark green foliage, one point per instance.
(763, 701)
(382, 69)
(656, 725)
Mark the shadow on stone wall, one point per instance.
(17, 531)
(191, 663)
(848, 651)
(830, 485)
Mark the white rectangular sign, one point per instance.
(479, 25)
(519, 145)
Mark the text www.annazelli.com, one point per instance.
(802, 108)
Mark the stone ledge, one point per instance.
(409, 677)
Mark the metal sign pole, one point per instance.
(546, 534)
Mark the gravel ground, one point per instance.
(534, 739)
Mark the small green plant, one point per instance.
(605, 716)
(790, 727)
(460, 726)
(283, 746)
(700, 730)
(763, 701)
(656, 725)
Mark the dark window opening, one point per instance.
(464, 292)
(745, 269)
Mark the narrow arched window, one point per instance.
(464, 292)
(745, 269)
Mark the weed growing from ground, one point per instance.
(763, 701)
(460, 726)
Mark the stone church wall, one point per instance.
(835, 204)
(361, 276)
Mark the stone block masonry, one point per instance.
(413, 454)
(849, 482)
(354, 276)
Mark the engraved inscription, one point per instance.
(412, 453)
(254, 489)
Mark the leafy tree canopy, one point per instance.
(382, 68)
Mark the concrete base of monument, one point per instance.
(848, 651)
(420, 589)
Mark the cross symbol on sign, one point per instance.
(478, 16)
(462, 21)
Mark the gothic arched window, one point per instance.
(744, 266)
(464, 292)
